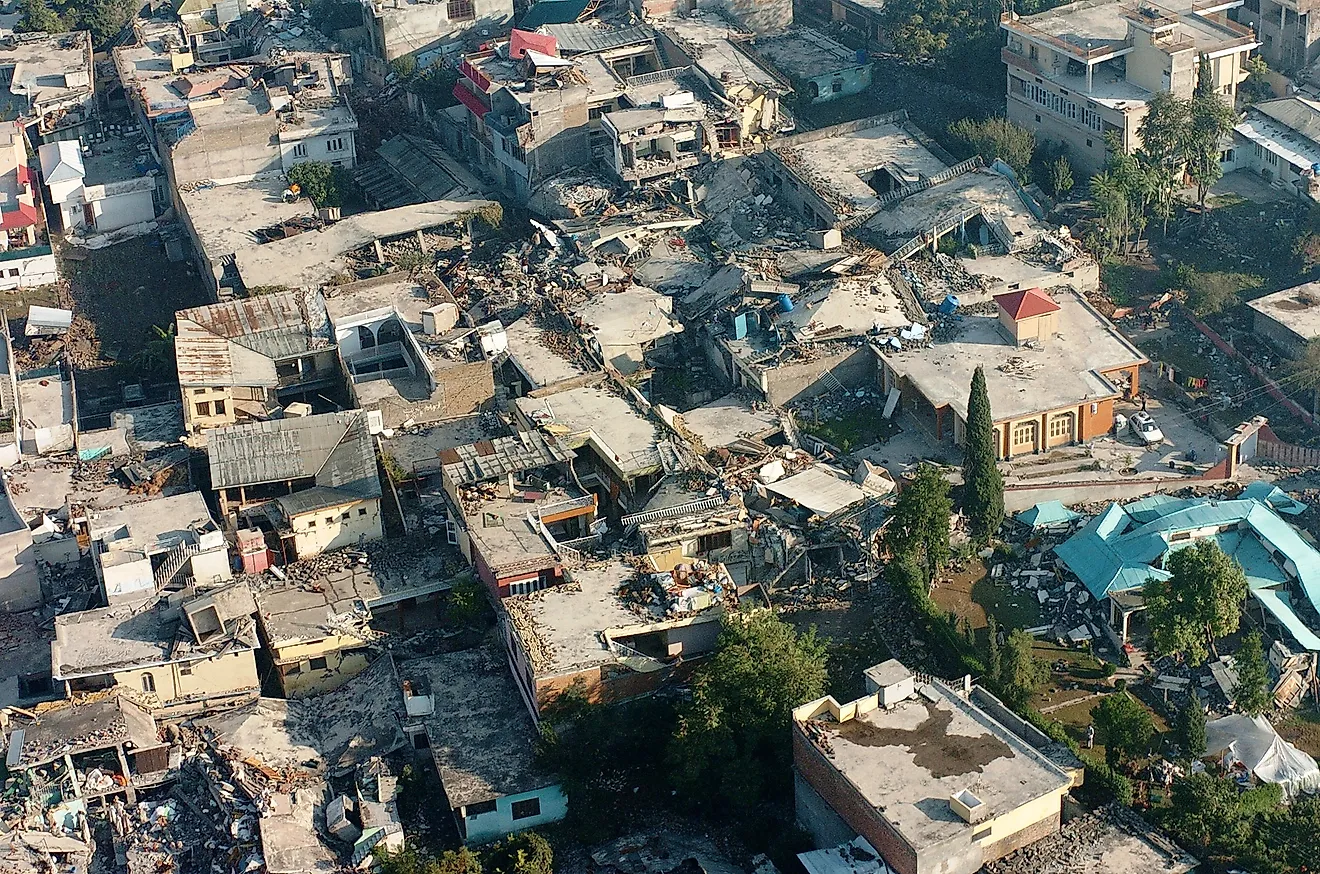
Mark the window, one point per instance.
(329, 520)
(204, 408)
(185, 671)
(718, 540)
(345, 516)
(219, 408)
(1024, 433)
(1272, 159)
(526, 808)
(1061, 426)
(480, 807)
(1089, 144)
(1033, 53)
(334, 144)
(311, 523)
(362, 511)
(1091, 119)
(461, 10)
(13, 271)
(837, 86)
(199, 391)
(300, 150)
(148, 683)
(1038, 118)
(318, 664)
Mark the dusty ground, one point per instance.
(972, 595)
(126, 289)
(1302, 729)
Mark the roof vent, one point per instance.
(970, 808)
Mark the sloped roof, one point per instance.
(23, 216)
(522, 40)
(553, 12)
(492, 459)
(1298, 113)
(1117, 551)
(61, 161)
(577, 38)
(333, 448)
(238, 342)
(1025, 303)
(411, 170)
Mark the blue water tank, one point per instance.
(861, 57)
(785, 303)
(1315, 168)
(949, 304)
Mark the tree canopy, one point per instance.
(1020, 672)
(1191, 729)
(1200, 602)
(1125, 727)
(997, 137)
(1251, 695)
(733, 745)
(104, 18)
(983, 485)
(918, 527)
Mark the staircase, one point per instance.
(174, 562)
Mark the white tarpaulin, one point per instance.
(1254, 742)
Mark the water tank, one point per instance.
(785, 303)
(949, 304)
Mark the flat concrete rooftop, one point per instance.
(225, 216)
(46, 402)
(1091, 23)
(806, 53)
(846, 306)
(728, 419)
(908, 760)
(293, 614)
(707, 37)
(984, 189)
(1296, 308)
(540, 364)
(840, 166)
(561, 626)
(1060, 372)
(312, 259)
(593, 415)
(482, 738)
(408, 297)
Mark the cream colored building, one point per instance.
(189, 656)
(1084, 70)
(946, 799)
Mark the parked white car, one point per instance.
(1143, 427)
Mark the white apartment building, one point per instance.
(1086, 69)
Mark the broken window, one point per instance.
(718, 540)
(526, 808)
(317, 664)
(461, 10)
(487, 807)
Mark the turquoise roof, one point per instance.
(1120, 549)
(1047, 514)
(1276, 497)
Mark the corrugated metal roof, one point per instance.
(577, 38)
(273, 326)
(819, 491)
(490, 459)
(1301, 115)
(410, 170)
(334, 448)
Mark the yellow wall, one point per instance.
(342, 665)
(332, 531)
(1025, 816)
(215, 676)
(194, 421)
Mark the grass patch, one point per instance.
(1127, 282)
(969, 593)
(1301, 728)
(851, 431)
(1182, 354)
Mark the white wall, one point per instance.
(317, 149)
(28, 272)
(127, 581)
(332, 531)
(121, 210)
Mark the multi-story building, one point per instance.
(46, 82)
(400, 28)
(1083, 71)
(1287, 39)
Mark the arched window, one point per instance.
(366, 339)
(148, 683)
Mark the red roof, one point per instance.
(24, 216)
(1026, 303)
(522, 40)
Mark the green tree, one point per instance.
(997, 137)
(1061, 177)
(1021, 673)
(156, 357)
(1205, 82)
(906, 578)
(1125, 727)
(1191, 728)
(1213, 292)
(1252, 692)
(1211, 817)
(106, 19)
(1293, 832)
(410, 860)
(1199, 602)
(994, 658)
(404, 66)
(918, 527)
(1212, 120)
(733, 745)
(36, 16)
(983, 485)
(318, 181)
(1110, 199)
(1257, 85)
(523, 853)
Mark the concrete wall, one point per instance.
(193, 399)
(484, 827)
(28, 271)
(336, 527)
(408, 28)
(121, 210)
(318, 148)
(344, 658)
(20, 584)
(205, 678)
(853, 367)
(128, 581)
(234, 153)
(1278, 335)
(759, 16)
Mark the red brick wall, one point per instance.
(851, 807)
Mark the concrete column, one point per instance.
(1089, 74)
(380, 253)
(421, 241)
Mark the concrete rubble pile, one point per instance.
(689, 588)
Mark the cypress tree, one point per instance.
(983, 486)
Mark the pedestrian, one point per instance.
(1090, 736)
